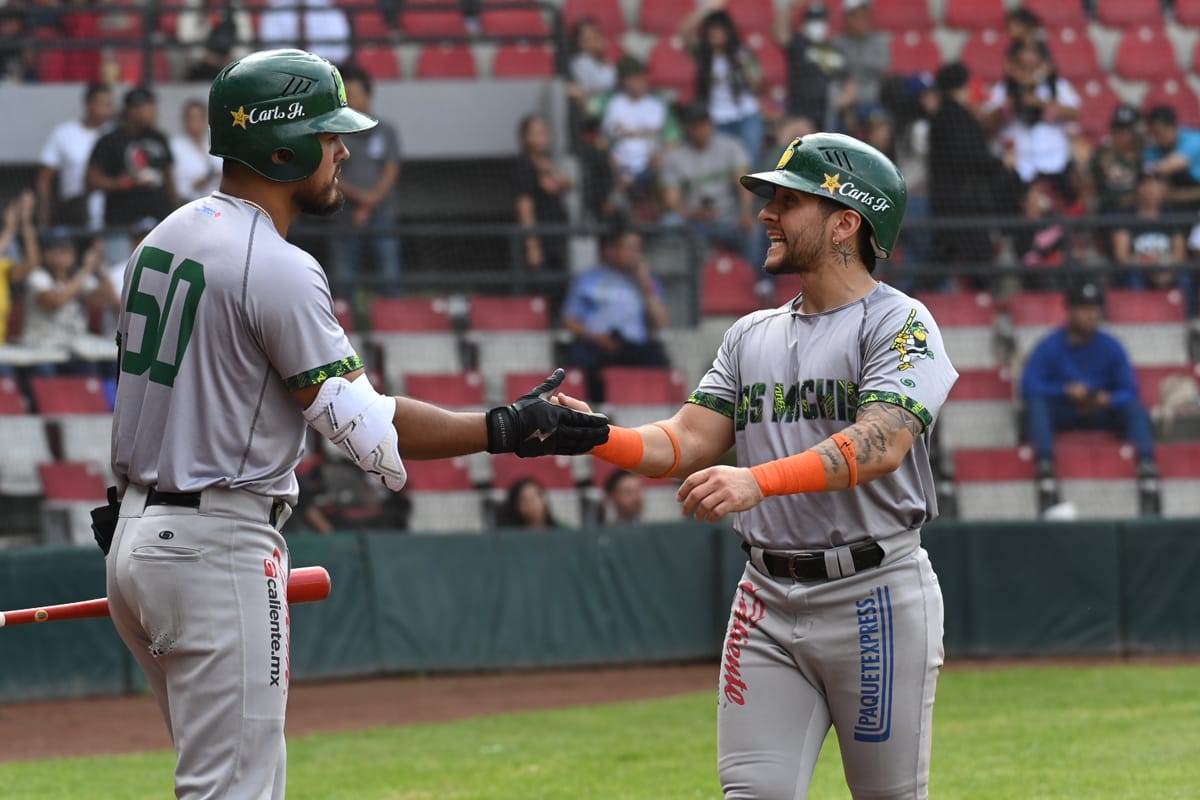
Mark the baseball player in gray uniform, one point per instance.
(829, 400)
(228, 348)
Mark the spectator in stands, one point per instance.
(633, 125)
(728, 76)
(614, 310)
(1173, 152)
(624, 500)
(197, 172)
(214, 31)
(132, 165)
(317, 26)
(1115, 166)
(335, 495)
(1080, 378)
(1025, 27)
(368, 181)
(58, 291)
(593, 74)
(1154, 251)
(817, 86)
(699, 186)
(14, 260)
(868, 60)
(911, 102)
(540, 188)
(525, 506)
(965, 179)
(65, 157)
(1034, 107)
(112, 277)
(1047, 245)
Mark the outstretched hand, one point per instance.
(710, 494)
(534, 426)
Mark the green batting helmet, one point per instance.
(847, 171)
(279, 100)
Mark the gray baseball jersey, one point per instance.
(223, 318)
(790, 380)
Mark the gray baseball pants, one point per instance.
(199, 596)
(860, 653)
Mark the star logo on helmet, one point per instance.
(240, 117)
(832, 183)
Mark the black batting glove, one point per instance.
(533, 426)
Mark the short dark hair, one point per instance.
(615, 477)
(94, 89)
(1164, 114)
(138, 96)
(866, 251)
(353, 72)
(951, 77)
(1024, 16)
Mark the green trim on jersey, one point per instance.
(723, 407)
(917, 409)
(319, 375)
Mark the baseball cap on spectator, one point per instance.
(138, 96)
(1124, 116)
(1086, 293)
(1163, 114)
(58, 236)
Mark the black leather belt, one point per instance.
(810, 566)
(186, 499)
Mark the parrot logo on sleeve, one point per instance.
(912, 342)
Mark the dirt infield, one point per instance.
(132, 724)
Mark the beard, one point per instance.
(325, 202)
(799, 256)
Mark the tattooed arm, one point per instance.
(878, 441)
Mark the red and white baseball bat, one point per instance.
(306, 585)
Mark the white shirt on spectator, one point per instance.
(61, 326)
(1042, 148)
(593, 75)
(634, 127)
(67, 151)
(723, 105)
(197, 172)
(326, 29)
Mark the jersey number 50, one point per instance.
(144, 304)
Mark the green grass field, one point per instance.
(1030, 733)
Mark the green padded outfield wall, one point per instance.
(511, 600)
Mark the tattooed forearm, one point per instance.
(846, 252)
(831, 457)
(882, 435)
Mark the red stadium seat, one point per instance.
(902, 15)
(440, 475)
(771, 61)
(380, 63)
(523, 313)
(913, 51)
(607, 15)
(513, 22)
(445, 60)
(1178, 459)
(1074, 54)
(644, 385)
(1187, 12)
(662, 17)
(518, 383)
(752, 16)
(417, 24)
(1176, 93)
(960, 309)
(69, 395)
(727, 287)
(1144, 306)
(449, 389)
(982, 384)
(1150, 381)
(67, 480)
(1128, 13)
(787, 288)
(672, 68)
(368, 25)
(995, 483)
(1057, 13)
(1093, 454)
(523, 60)
(344, 312)
(1145, 54)
(1099, 100)
(132, 65)
(985, 54)
(391, 314)
(993, 464)
(120, 25)
(1037, 308)
(975, 14)
(555, 472)
(11, 399)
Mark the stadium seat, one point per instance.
(131, 64)
(87, 438)
(1057, 13)
(443, 496)
(11, 399)
(985, 53)
(901, 15)
(787, 288)
(1145, 54)
(974, 15)
(1099, 100)
(70, 490)
(662, 17)
(456, 390)
(979, 413)
(380, 63)
(444, 60)
(117, 24)
(413, 335)
(1187, 12)
(367, 25)
(555, 473)
(1096, 473)
(25, 446)
(1032, 314)
(635, 395)
(1169, 393)
(519, 382)
(520, 22)
(995, 483)
(1151, 323)
(671, 68)
(914, 50)
(509, 334)
(71, 480)
(428, 23)
(752, 17)
(1125, 14)
(1176, 93)
(69, 395)
(607, 14)
(1179, 465)
(692, 349)
(968, 325)
(727, 286)
(390, 314)
(523, 60)
(1074, 53)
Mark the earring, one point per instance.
(835, 241)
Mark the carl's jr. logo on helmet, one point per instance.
(257, 115)
(833, 184)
